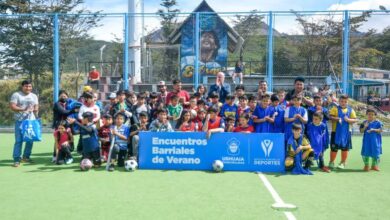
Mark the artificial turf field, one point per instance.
(43, 190)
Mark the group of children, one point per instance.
(305, 127)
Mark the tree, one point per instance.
(247, 26)
(27, 41)
(322, 40)
(168, 15)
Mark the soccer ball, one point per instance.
(289, 163)
(131, 165)
(86, 164)
(217, 165)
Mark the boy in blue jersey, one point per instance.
(229, 108)
(342, 116)
(318, 107)
(294, 114)
(372, 140)
(89, 138)
(316, 132)
(252, 104)
(263, 115)
(299, 152)
(278, 115)
(121, 133)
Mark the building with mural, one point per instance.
(217, 39)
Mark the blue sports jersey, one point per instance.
(229, 110)
(372, 141)
(261, 113)
(89, 140)
(317, 136)
(125, 131)
(292, 110)
(278, 125)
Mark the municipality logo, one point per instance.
(267, 145)
(233, 146)
(29, 134)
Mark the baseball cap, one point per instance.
(161, 83)
(87, 88)
(112, 95)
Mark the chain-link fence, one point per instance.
(349, 50)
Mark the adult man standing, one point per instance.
(25, 105)
(177, 90)
(222, 88)
(94, 77)
(163, 92)
(299, 90)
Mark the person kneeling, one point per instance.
(300, 155)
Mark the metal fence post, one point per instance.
(56, 58)
(197, 48)
(270, 60)
(345, 61)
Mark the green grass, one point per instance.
(46, 191)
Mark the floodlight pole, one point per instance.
(345, 60)
(56, 58)
(270, 60)
(197, 48)
(101, 57)
(126, 53)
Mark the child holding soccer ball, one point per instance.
(372, 140)
(89, 138)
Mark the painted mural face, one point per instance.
(209, 46)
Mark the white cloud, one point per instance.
(377, 21)
(286, 23)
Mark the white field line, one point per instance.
(275, 195)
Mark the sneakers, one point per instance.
(376, 168)
(26, 160)
(331, 165)
(366, 168)
(69, 161)
(325, 169)
(341, 166)
(16, 164)
(111, 167)
(54, 159)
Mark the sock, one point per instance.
(366, 161)
(333, 155)
(344, 155)
(375, 162)
(320, 161)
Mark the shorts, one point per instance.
(334, 147)
(94, 156)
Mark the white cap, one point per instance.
(161, 83)
(93, 67)
(112, 95)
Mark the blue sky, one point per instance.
(234, 5)
(114, 26)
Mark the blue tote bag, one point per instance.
(31, 129)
